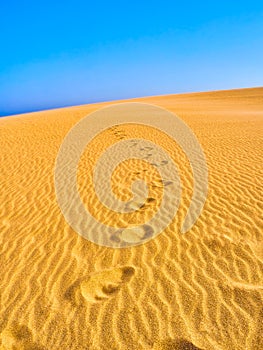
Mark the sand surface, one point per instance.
(200, 290)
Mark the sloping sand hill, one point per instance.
(199, 290)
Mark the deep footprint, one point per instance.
(101, 286)
(18, 337)
(175, 344)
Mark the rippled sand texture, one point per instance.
(200, 290)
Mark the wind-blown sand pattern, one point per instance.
(199, 290)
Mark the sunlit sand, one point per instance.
(198, 290)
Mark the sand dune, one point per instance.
(199, 290)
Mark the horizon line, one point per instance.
(128, 98)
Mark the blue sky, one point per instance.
(62, 53)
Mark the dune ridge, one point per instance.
(200, 290)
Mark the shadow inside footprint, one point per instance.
(100, 286)
(18, 337)
(150, 200)
(175, 344)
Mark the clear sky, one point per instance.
(62, 53)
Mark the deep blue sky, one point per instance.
(60, 53)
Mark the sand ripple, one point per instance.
(201, 290)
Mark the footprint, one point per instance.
(163, 162)
(167, 182)
(147, 156)
(136, 234)
(133, 234)
(134, 143)
(100, 286)
(139, 204)
(150, 200)
(134, 204)
(175, 344)
(18, 337)
(161, 183)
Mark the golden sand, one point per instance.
(199, 290)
